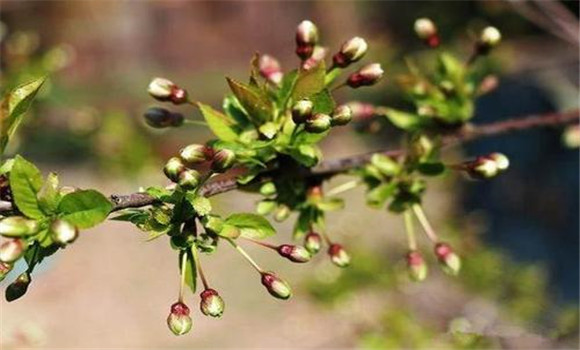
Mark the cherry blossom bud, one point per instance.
(313, 242)
(294, 253)
(16, 226)
(366, 76)
(270, 69)
(5, 269)
(427, 31)
(489, 38)
(268, 189)
(178, 320)
(159, 118)
(18, 288)
(318, 123)
(282, 213)
(173, 168)
(12, 250)
(301, 111)
(502, 162)
(194, 153)
(223, 160)
(338, 255)
(416, 266)
(361, 111)
(571, 136)
(211, 303)
(482, 168)
(276, 286)
(342, 115)
(165, 90)
(350, 52)
(306, 39)
(188, 179)
(318, 55)
(62, 232)
(449, 261)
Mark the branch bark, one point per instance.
(337, 166)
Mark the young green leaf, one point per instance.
(254, 101)
(309, 82)
(200, 204)
(251, 225)
(220, 124)
(377, 197)
(331, 204)
(25, 182)
(386, 165)
(85, 209)
(323, 102)
(49, 195)
(403, 120)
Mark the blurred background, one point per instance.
(518, 235)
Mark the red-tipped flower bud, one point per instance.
(294, 253)
(276, 286)
(350, 52)
(12, 250)
(416, 266)
(427, 31)
(318, 54)
(223, 160)
(366, 76)
(313, 242)
(502, 162)
(211, 303)
(302, 110)
(189, 179)
(318, 123)
(342, 115)
(159, 118)
(18, 288)
(173, 168)
(489, 38)
(62, 232)
(16, 226)
(5, 268)
(338, 255)
(194, 153)
(178, 320)
(306, 39)
(165, 90)
(449, 261)
(270, 69)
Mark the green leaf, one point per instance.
(229, 231)
(323, 102)
(254, 101)
(190, 269)
(49, 194)
(220, 124)
(12, 109)
(85, 209)
(404, 120)
(6, 166)
(431, 168)
(268, 129)
(377, 197)
(309, 138)
(386, 165)
(135, 216)
(212, 223)
(251, 225)
(200, 204)
(309, 82)
(307, 155)
(330, 204)
(234, 109)
(25, 182)
(287, 87)
(450, 67)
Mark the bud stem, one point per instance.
(182, 281)
(347, 186)
(195, 122)
(195, 254)
(263, 244)
(325, 236)
(246, 256)
(425, 223)
(341, 85)
(410, 230)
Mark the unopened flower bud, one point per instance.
(416, 266)
(318, 54)
(427, 31)
(338, 255)
(63, 232)
(301, 111)
(18, 288)
(223, 160)
(361, 111)
(449, 261)
(173, 168)
(189, 179)
(318, 123)
(157, 117)
(482, 168)
(488, 84)
(276, 286)
(489, 38)
(342, 115)
(350, 52)
(178, 320)
(294, 253)
(16, 226)
(571, 136)
(268, 189)
(5, 269)
(306, 39)
(194, 153)
(282, 213)
(270, 69)
(165, 90)
(211, 303)
(366, 76)
(12, 250)
(502, 162)
(313, 242)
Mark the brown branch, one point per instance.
(332, 167)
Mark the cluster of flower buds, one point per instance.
(165, 90)
(276, 286)
(306, 39)
(489, 38)
(427, 32)
(179, 321)
(487, 167)
(302, 113)
(211, 303)
(366, 76)
(270, 69)
(351, 51)
(160, 118)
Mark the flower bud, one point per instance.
(338, 255)
(294, 253)
(62, 232)
(482, 168)
(276, 286)
(318, 123)
(16, 226)
(361, 111)
(502, 162)
(301, 111)
(194, 153)
(318, 54)
(157, 117)
(313, 242)
(427, 31)
(178, 320)
(211, 303)
(489, 38)
(416, 266)
(342, 115)
(173, 168)
(270, 69)
(223, 160)
(268, 189)
(350, 52)
(5, 269)
(165, 90)
(282, 213)
(18, 288)
(188, 179)
(306, 39)
(571, 136)
(366, 76)
(12, 249)
(449, 261)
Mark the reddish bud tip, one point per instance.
(366, 76)
(211, 303)
(338, 255)
(294, 253)
(178, 320)
(165, 90)
(416, 266)
(448, 260)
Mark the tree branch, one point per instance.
(332, 167)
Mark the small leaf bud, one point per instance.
(173, 168)
(16, 226)
(62, 232)
(350, 52)
(338, 255)
(416, 266)
(342, 115)
(179, 321)
(157, 117)
(165, 90)
(211, 303)
(366, 76)
(12, 250)
(448, 260)
(270, 69)
(194, 153)
(189, 179)
(301, 111)
(318, 123)
(276, 286)
(313, 242)
(18, 288)
(5, 269)
(294, 253)
(223, 160)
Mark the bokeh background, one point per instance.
(518, 234)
